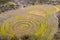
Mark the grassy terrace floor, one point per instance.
(57, 35)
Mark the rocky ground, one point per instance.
(57, 35)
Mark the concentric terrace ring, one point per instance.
(19, 26)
